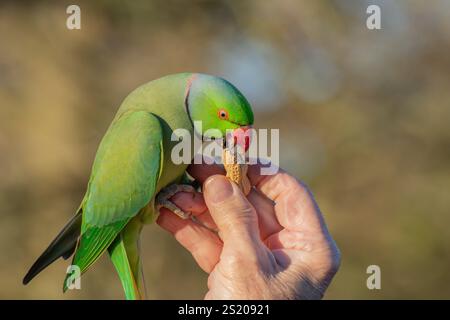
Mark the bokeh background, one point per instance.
(363, 118)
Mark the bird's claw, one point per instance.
(163, 201)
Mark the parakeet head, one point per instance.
(218, 105)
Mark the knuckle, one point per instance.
(335, 259)
(332, 260)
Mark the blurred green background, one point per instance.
(363, 118)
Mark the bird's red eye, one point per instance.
(223, 114)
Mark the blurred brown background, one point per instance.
(364, 119)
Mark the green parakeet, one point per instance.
(133, 165)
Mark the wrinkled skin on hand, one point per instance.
(272, 244)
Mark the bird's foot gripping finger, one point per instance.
(169, 191)
(173, 208)
(163, 201)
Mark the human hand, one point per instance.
(273, 244)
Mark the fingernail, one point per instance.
(218, 189)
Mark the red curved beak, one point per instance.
(242, 137)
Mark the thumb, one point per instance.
(233, 214)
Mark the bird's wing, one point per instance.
(124, 176)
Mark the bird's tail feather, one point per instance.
(62, 246)
(124, 253)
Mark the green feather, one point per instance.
(123, 181)
(124, 253)
(126, 169)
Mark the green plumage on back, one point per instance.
(123, 180)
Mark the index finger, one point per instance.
(201, 172)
